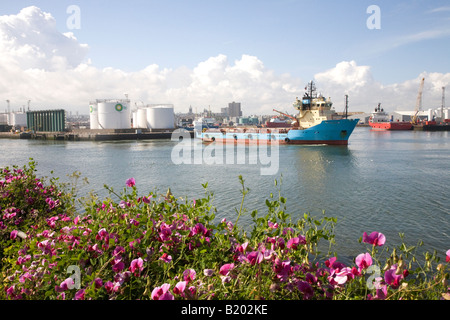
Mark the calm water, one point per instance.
(389, 182)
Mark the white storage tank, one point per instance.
(134, 122)
(430, 114)
(18, 119)
(160, 117)
(142, 118)
(114, 114)
(3, 118)
(93, 115)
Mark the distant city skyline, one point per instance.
(63, 54)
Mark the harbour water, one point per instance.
(383, 181)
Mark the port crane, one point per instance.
(415, 117)
(294, 122)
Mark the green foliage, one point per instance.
(155, 246)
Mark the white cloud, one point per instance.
(365, 93)
(39, 63)
(31, 39)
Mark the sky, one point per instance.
(207, 53)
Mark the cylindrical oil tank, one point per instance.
(160, 117)
(142, 118)
(18, 119)
(134, 117)
(446, 113)
(93, 115)
(430, 114)
(3, 118)
(114, 114)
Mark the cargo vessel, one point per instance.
(315, 123)
(380, 120)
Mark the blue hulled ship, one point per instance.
(316, 123)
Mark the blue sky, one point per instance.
(299, 38)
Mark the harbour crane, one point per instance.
(294, 122)
(418, 102)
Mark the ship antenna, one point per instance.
(346, 106)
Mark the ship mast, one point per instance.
(312, 89)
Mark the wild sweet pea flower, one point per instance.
(255, 257)
(189, 275)
(162, 293)
(226, 268)
(363, 261)
(208, 272)
(118, 267)
(13, 234)
(381, 290)
(130, 182)
(112, 286)
(272, 225)
(293, 243)
(392, 278)
(79, 295)
(166, 258)
(65, 285)
(306, 289)
(179, 287)
(98, 283)
(137, 264)
(340, 276)
(375, 238)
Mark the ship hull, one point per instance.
(391, 125)
(329, 132)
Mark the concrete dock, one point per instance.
(94, 135)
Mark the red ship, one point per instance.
(276, 122)
(380, 120)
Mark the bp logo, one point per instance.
(119, 107)
(91, 109)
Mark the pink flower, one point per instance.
(363, 261)
(306, 289)
(137, 264)
(65, 285)
(447, 258)
(98, 283)
(118, 250)
(162, 293)
(130, 182)
(179, 287)
(79, 295)
(226, 268)
(381, 291)
(189, 275)
(255, 257)
(13, 234)
(112, 287)
(392, 278)
(166, 258)
(208, 272)
(294, 242)
(102, 233)
(340, 276)
(272, 225)
(146, 199)
(375, 238)
(119, 266)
